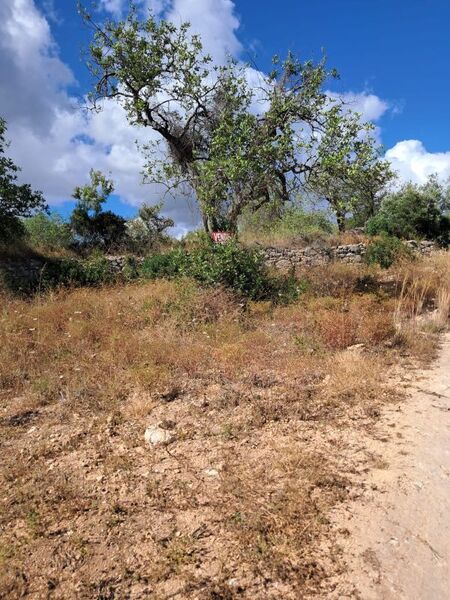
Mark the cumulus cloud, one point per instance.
(34, 78)
(413, 162)
(214, 20)
(53, 140)
(370, 106)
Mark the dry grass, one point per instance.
(423, 305)
(262, 403)
(286, 239)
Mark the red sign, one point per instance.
(221, 237)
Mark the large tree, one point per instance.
(16, 200)
(231, 157)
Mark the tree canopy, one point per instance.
(92, 225)
(232, 156)
(415, 211)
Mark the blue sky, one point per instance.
(393, 57)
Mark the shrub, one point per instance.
(163, 265)
(413, 212)
(385, 250)
(238, 268)
(93, 271)
(48, 230)
(286, 224)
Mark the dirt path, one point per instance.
(398, 539)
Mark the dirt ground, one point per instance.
(397, 533)
(275, 425)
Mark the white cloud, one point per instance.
(53, 140)
(370, 106)
(214, 20)
(33, 77)
(113, 6)
(413, 162)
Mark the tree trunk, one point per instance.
(340, 218)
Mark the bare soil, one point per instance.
(396, 535)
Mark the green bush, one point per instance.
(238, 268)
(49, 231)
(385, 250)
(93, 271)
(414, 212)
(163, 265)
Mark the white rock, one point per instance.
(156, 435)
(211, 472)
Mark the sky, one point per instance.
(393, 57)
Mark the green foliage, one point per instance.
(216, 145)
(92, 226)
(92, 195)
(230, 265)
(49, 231)
(285, 223)
(414, 212)
(95, 270)
(385, 250)
(15, 200)
(198, 237)
(351, 175)
(168, 265)
(147, 230)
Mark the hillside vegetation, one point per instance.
(257, 407)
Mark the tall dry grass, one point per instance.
(425, 293)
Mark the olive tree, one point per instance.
(231, 158)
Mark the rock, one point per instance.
(154, 435)
(355, 348)
(211, 472)
(284, 264)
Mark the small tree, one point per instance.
(352, 177)
(16, 200)
(415, 211)
(147, 229)
(50, 231)
(91, 225)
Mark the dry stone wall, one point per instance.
(286, 258)
(23, 271)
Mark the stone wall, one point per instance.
(286, 258)
(21, 272)
(21, 269)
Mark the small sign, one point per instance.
(221, 237)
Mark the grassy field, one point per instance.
(261, 408)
